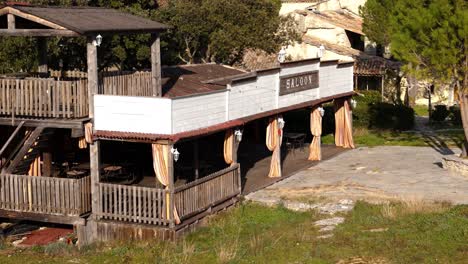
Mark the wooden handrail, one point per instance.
(206, 178)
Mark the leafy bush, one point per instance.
(440, 113)
(389, 116)
(361, 116)
(455, 115)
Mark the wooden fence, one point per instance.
(133, 204)
(45, 195)
(37, 97)
(126, 83)
(208, 191)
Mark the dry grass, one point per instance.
(408, 206)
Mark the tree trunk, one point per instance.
(463, 98)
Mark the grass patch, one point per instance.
(421, 110)
(372, 138)
(407, 232)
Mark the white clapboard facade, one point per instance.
(245, 95)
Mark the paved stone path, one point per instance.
(373, 174)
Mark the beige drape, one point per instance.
(89, 133)
(35, 167)
(343, 124)
(82, 143)
(161, 169)
(228, 146)
(274, 136)
(88, 138)
(315, 152)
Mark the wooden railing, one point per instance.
(45, 195)
(133, 204)
(37, 97)
(208, 191)
(126, 83)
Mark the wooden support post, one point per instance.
(47, 163)
(170, 187)
(11, 22)
(92, 74)
(94, 147)
(235, 147)
(42, 51)
(356, 83)
(196, 159)
(156, 65)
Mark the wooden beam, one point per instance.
(11, 22)
(33, 18)
(38, 33)
(50, 123)
(42, 51)
(37, 217)
(156, 65)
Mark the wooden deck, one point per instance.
(255, 169)
(44, 198)
(150, 205)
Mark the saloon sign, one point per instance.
(299, 82)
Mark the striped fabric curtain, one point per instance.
(274, 137)
(315, 152)
(343, 124)
(228, 146)
(161, 168)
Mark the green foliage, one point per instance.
(455, 115)
(376, 20)
(431, 37)
(361, 116)
(440, 113)
(389, 116)
(221, 30)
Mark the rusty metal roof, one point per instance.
(185, 80)
(340, 18)
(92, 20)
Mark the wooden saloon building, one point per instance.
(147, 120)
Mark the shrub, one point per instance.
(361, 116)
(389, 116)
(440, 113)
(455, 115)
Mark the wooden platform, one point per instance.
(44, 122)
(254, 170)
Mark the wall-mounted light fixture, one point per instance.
(282, 55)
(321, 51)
(353, 103)
(175, 154)
(238, 134)
(321, 111)
(98, 41)
(281, 122)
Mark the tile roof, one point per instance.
(340, 18)
(187, 80)
(92, 20)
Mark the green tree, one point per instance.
(376, 20)
(221, 30)
(430, 37)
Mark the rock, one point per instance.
(325, 236)
(327, 228)
(330, 221)
(455, 163)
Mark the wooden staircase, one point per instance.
(22, 148)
